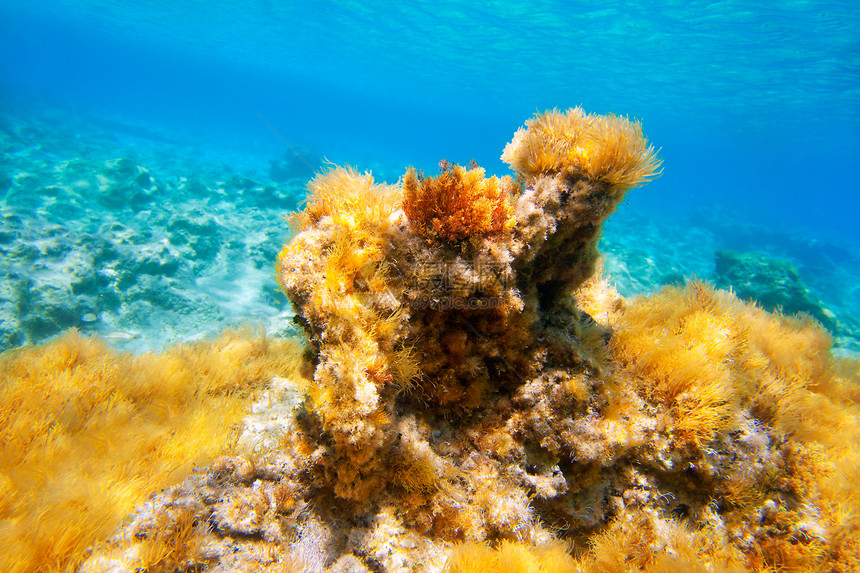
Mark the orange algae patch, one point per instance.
(458, 204)
(705, 354)
(606, 148)
(709, 358)
(351, 198)
(511, 557)
(88, 432)
(631, 544)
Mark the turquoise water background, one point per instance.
(755, 107)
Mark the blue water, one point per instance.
(754, 105)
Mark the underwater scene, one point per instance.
(373, 287)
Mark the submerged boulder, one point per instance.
(775, 284)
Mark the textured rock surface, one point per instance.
(529, 408)
(773, 283)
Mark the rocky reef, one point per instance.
(772, 283)
(475, 395)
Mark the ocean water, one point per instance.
(150, 149)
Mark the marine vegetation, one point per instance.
(458, 204)
(88, 433)
(479, 398)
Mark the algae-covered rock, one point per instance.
(476, 397)
(772, 283)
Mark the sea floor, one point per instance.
(147, 238)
